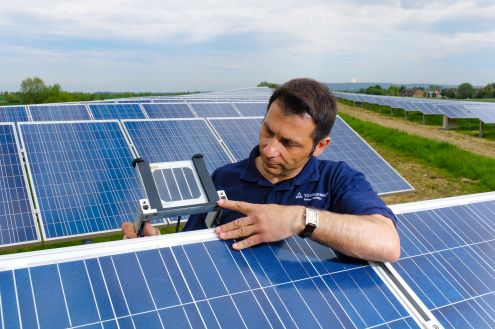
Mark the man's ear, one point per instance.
(321, 146)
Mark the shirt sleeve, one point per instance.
(353, 195)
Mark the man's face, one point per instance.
(286, 144)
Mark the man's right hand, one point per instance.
(130, 232)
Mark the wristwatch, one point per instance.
(311, 217)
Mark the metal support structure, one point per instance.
(449, 123)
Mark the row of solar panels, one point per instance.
(257, 94)
(67, 112)
(83, 182)
(485, 112)
(445, 278)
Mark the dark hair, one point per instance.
(299, 96)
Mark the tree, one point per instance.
(448, 93)
(393, 91)
(374, 90)
(32, 90)
(465, 90)
(268, 84)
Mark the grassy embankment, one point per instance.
(454, 161)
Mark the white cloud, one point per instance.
(285, 38)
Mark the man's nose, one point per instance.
(272, 148)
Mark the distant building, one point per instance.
(415, 92)
(433, 94)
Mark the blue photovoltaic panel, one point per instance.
(240, 135)
(82, 176)
(59, 112)
(116, 111)
(13, 114)
(346, 145)
(251, 109)
(176, 140)
(205, 110)
(168, 110)
(17, 222)
(291, 284)
(448, 259)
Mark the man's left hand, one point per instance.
(263, 223)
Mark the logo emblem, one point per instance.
(299, 196)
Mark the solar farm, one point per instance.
(67, 174)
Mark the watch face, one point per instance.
(311, 217)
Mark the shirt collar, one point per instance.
(309, 173)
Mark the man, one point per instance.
(282, 188)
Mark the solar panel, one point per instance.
(241, 135)
(17, 221)
(348, 146)
(448, 257)
(13, 114)
(251, 109)
(214, 110)
(454, 111)
(116, 111)
(82, 177)
(192, 280)
(59, 112)
(163, 140)
(168, 110)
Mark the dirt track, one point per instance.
(473, 144)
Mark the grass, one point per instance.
(459, 163)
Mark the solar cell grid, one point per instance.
(251, 109)
(13, 114)
(348, 146)
(82, 177)
(116, 111)
(59, 112)
(448, 259)
(239, 134)
(17, 222)
(204, 284)
(205, 110)
(175, 140)
(168, 110)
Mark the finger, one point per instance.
(239, 206)
(128, 230)
(234, 225)
(248, 242)
(240, 232)
(149, 230)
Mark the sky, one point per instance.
(161, 45)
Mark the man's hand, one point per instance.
(263, 223)
(130, 232)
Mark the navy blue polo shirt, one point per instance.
(321, 184)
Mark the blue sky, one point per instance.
(159, 45)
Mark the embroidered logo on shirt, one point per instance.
(311, 196)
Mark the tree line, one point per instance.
(463, 91)
(35, 91)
